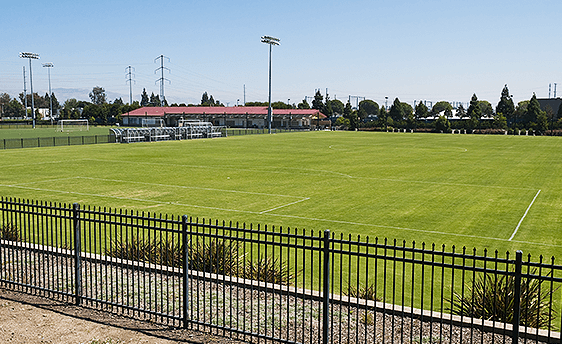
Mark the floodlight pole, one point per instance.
(271, 41)
(49, 65)
(31, 56)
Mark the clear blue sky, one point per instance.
(413, 50)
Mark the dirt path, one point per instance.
(31, 319)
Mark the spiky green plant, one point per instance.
(491, 297)
(367, 292)
(270, 269)
(10, 232)
(135, 248)
(215, 256)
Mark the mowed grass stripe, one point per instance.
(451, 189)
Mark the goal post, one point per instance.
(73, 125)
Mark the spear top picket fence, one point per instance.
(268, 284)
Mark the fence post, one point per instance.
(517, 296)
(326, 288)
(185, 267)
(77, 251)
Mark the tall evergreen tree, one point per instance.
(144, 98)
(474, 112)
(318, 103)
(537, 117)
(396, 111)
(421, 111)
(505, 105)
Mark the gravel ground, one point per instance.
(211, 303)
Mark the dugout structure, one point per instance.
(190, 130)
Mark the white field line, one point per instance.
(313, 172)
(43, 180)
(522, 218)
(191, 187)
(285, 205)
(290, 216)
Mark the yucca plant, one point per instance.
(362, 292)
(134, 248)
(215, 256)
(491, 297)
(10, 232)
(270, 269)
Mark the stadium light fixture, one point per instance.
(49, 65)
(271, 41)
(31, 56)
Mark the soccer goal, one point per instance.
(73, 125)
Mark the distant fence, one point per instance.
(55, 141)
(250, 131)
(263, 284)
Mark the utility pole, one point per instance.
(49, 65)
(162, 79)
(554, 90)
(130, 81)
(31, 56)
(549, 87)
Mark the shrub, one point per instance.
(270, 269)
(492, 298)
(10, 232)
(367, 292)
(215, 256)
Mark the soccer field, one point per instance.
(494, 192)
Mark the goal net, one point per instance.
(73, 125)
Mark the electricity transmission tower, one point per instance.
(130, 81)
(162, 79)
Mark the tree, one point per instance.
(536, 117)
(382, 117)
(520, 113)
(337, 106)
(4, 101)
(421, 111)
(486, 108)
(441, 106)
(144, 98)
(14, 109)
(303, 105)
(505, 105)
(98, 95)
(461, 113)
(154, 100)
(317, 103)
(367, 108)
(396, 111)
(474, 112)
(442, 124)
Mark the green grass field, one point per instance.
(464, 190)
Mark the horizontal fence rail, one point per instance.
(266, 284)
(35, 142)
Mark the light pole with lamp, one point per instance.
(31, 56)
(271, 41)
(49, 65)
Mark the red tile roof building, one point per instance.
(234, 117)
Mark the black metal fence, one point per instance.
(262, 284)
(33, 142)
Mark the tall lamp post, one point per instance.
(31, 56)
(49, 65)
(271, 41)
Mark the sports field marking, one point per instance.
(309, 172)
(285, 205)
(285, 216)
(523, 217)
(191, 187)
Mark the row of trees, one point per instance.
(14, 107)
(479, 115)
